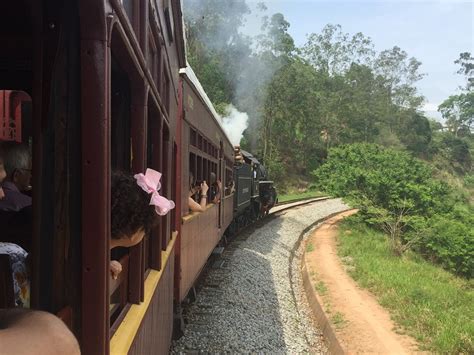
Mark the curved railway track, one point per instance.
(250, 299)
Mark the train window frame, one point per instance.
(121, 159)
(202, 160)
(166, 182)
(155, 36)
(165, 95)
(154, 159)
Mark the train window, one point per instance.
(166, 93)
(174, 172)
(199, 145)
(205, 170)
(165, 189)
(193, 139)
(15, 116)
(121, 158)
(16, 226)
(152, 245)
(199, 176)
(152, 56)
(120, 114)
(193, 166)
(159, 67)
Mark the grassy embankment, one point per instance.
(432, 305)
(299, 195)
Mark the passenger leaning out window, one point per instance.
(200, 189)
(215, 188)
(136, 205)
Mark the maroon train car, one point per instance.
(103, 78)
(205, 149)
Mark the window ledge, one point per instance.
(191, 215)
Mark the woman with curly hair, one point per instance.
(135, 207)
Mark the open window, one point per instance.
(121, 154)
(203, 160)
(16, 220)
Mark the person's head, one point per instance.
(213, 178)
(194, 187)
(17, 164)
(132, 215)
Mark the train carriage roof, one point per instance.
(191, 77)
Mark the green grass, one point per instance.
(321, 288)
(338, 320)
(432, 305)
(299, 195)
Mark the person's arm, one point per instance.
(34, 332)
(201, 206)
(194, 206)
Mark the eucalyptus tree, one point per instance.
(458, 110)
(333, 51)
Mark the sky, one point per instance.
(432, 31)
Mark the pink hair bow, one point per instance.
(150, 183)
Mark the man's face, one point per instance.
(22, 178)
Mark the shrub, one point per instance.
(397, 193)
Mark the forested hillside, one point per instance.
(335, 89)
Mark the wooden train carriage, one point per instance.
(103, 81)
(206, 149)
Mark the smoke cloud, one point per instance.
(235, 124)
(237, 32)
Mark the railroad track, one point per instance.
(244, 300)
(297, 202)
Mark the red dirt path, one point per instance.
(360, 323)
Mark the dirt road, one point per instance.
(360, 323)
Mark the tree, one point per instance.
(333, 51)
(466, 61)
(458, 111)
(276, 39)
(415, 133)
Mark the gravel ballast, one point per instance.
(253, 302)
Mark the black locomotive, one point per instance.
(254, 194)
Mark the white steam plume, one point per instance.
(235, 123)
